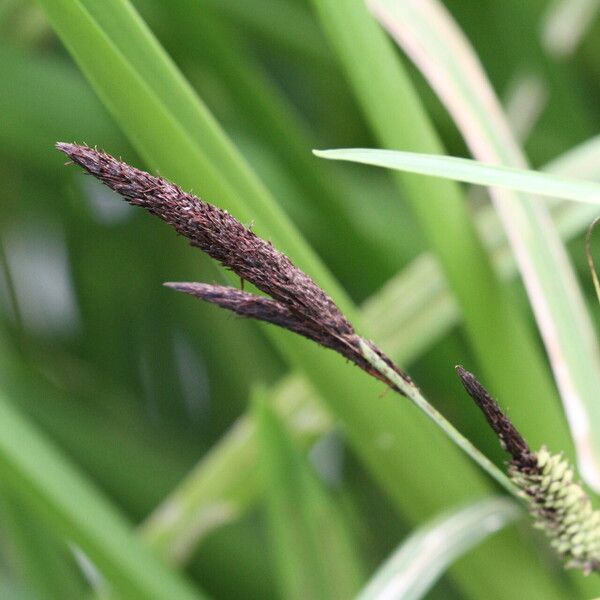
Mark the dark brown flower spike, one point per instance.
(297, 303)
(510, 439)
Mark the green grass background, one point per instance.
(113, 389)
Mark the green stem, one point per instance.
(412, 392)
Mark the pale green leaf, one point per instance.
(411, 571)
(472, 171)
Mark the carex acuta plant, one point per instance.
(557, 503)
(295, 302)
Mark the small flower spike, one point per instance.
(557, 503)
(296, 302)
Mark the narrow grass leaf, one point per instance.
(472, 171)
(415, 566)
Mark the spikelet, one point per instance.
(561, 508)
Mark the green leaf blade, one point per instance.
(311, 544)
(466, 170)
(419, 561)
(75, 510)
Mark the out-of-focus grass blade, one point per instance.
(418, 309)
(85, 432)
(287, 23)
(435, 43)
(311, 544)
(565, 23)
(224, 483)
(418, 563)
(35, 554)
(524, 102)
(472, 171)
(48, 484)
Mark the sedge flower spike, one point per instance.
(296, 302)
(557, 503)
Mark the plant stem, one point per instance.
(411, 391)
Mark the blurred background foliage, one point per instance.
(133, 384)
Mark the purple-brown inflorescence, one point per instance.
(297, 303)
(510, 439)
